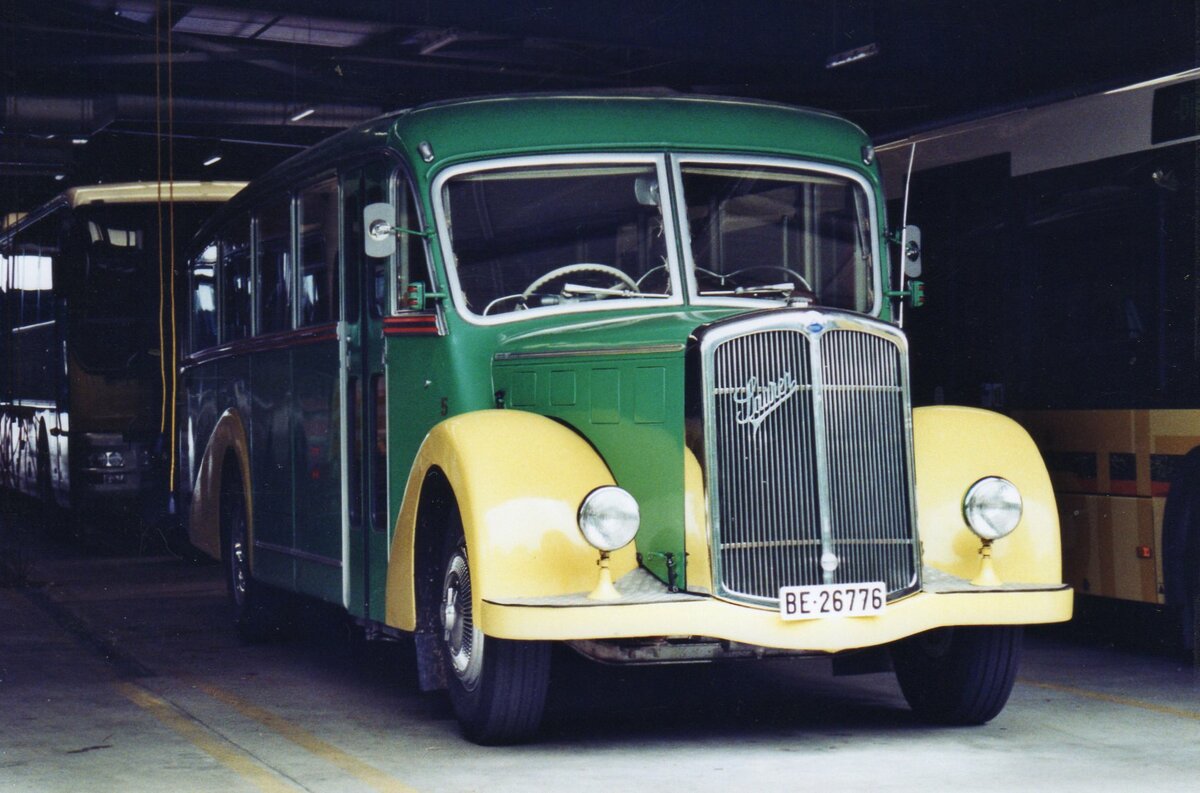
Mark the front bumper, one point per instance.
(943, 601)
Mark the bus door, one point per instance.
(364, 396)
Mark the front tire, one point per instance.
(497, 687)
(958, 676)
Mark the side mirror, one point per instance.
(910, 251)
(379, 230)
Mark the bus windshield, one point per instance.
(114, 297)
(541, 236)
(547, 236)
(775, 232)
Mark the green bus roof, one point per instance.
(476, 128)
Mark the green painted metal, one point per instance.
(621, 385)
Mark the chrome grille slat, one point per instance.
(809, 453)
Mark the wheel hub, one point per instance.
(462, 641)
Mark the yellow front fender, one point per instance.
(956, 447)
(519, 479)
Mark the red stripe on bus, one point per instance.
(281, 340)
(424, 325)
(1123, 487)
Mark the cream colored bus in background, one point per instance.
(85, 389)
(1062, 265)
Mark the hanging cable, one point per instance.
(162, 297)
(171, 248)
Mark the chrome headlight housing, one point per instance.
(609, 518)
(992, 507)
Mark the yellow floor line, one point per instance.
(220, 750)
(1166, 710)
(372, 776)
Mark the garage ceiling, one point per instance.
(86, 82)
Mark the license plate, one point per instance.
(822, 601)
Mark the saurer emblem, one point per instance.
(755, 402)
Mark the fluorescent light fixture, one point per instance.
(79, 141)
(58, 177)
(304, 113)
(213, 160)
(852, 56)
(1156, 81)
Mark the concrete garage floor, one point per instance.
(120, 673)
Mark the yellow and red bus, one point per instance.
(1062, 261)
(84, 320)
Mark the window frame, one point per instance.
(333, 175)
(255, 213)
(666, 206)
(221, 241)
(676, 163)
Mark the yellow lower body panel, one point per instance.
(718, 619)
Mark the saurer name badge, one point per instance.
(755, 402)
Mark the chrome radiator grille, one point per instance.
(808, 454)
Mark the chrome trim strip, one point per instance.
(305, 555)
(649, 349)
(821, 450)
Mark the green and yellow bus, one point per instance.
(1063, 256)
(84, 309)
(615, 372)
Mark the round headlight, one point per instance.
(992, 507)
(609, 518)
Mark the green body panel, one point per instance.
(269, 423)
(498, 126)
(292, 420)
(618, 381)
(316, 469)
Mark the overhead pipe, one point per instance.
(61, 115)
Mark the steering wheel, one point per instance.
(571, 269)
(649, 273)
(777, 267)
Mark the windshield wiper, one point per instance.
(758, 289)
(579, 289)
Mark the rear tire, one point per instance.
(958, 676)
(497, 687)
(255, 609)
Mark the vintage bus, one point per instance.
(84, 309)
(615, 372)
(1062, 252)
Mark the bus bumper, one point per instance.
(936, 605)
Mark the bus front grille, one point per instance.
(809, 456)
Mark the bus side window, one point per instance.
(6, 322)
(204, 298)
(317, 221)
(274, 266)
(411, 264)
(35, 351)
(32, 281)
(235, 280)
